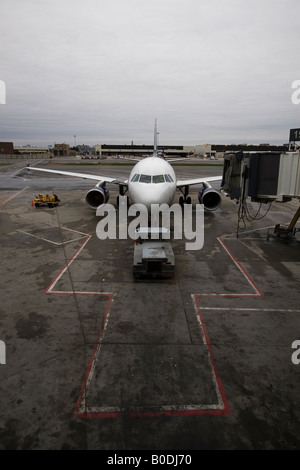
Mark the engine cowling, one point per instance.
(209, 197)
(97, 196)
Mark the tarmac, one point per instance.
(95, 359)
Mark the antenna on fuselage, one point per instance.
(155, 139)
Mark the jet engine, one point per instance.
(97, 196)
(209, 197)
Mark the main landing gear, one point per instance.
(185, 199)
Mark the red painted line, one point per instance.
(213, 411)
(219, 383)
(114, 414)
(180, 412)
(48, 290)
(11, 197)
(80, 410)
(92, 358)
(259, 293)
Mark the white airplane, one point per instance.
(151, 181)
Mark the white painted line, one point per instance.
(233, 236)
(71, 292)
(74, 231)
(252, 309)
(205, 340)
(151, 409)
(39, 238)
(58, 277)
(50, 241)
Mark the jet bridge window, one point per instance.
(145, 179)
(158, 179)
(169, 178)
(135, 178)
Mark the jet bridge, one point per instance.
(264, 177)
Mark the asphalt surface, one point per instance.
(95, 359)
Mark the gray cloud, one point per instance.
(217, 71)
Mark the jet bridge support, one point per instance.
(286, 232)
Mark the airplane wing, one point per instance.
(133, 159)
(176, 159)
(97, 178)
(165, 158)
(208, 179)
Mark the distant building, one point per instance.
(248, 148)
(107, 150)
(203, 151)
(6, 148)
(86, 149)
(61, 150)
(28, 150)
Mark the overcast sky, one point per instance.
(210, 71)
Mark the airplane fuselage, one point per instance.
(152, 181)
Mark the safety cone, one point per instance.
(31, 203)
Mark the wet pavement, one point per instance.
(98, 360)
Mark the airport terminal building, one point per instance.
(201, 151)
(214, 151)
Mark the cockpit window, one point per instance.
(169, 178)
(145, 179)
(151, 179)
(135, 178)
(158, 179)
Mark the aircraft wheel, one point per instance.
(181, 202)
(188, 200)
